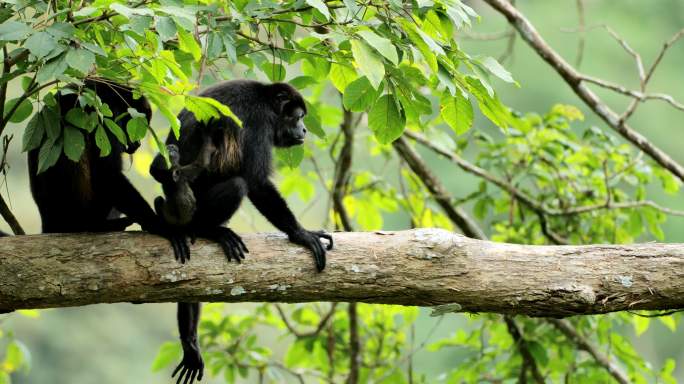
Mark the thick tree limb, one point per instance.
(418, 267)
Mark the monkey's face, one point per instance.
(291, 130)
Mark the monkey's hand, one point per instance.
(312, 241)
(178, 239)
(231, 243)
(192, 365)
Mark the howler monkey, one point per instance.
(90, 195)
(240, 166)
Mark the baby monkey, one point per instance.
(180, 204)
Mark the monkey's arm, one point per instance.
(160, 171)
(271, 204)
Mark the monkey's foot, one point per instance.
(192, 365)
(231, 243)
(312, 241)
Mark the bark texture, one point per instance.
(423, 267)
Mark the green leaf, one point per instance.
(35, 130)
(77, 117)
(81, 60)
(386, 120)
(74, 143)
(116, 130)
(640, 324)
(21, 113)
(168, 353)
(61, 30)
(102, 141)
(275, 72)
(301, 82)
(129, 12)
(368, 61)
(12, 30)
(359, 95)
(291, 156)
(85, 11)
(40, 44)
(497, 70)
(137, 128)
(341, 76)
(187, 43)
(52, 69)
(49, 154)
(206, 108)
(457, 112)
(166, 28)
(419, 42)
(381, 44)
(320, 6)
(669, 322)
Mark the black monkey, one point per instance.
(240, 166)
(90, 195)
(180, 204)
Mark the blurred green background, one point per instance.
(105, 343)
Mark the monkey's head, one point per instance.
(290, 109)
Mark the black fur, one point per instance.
(90, 195)
(241, 166)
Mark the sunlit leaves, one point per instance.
(496, 69)
(369, 62)
(187, 43)
(360, 95)
(382, 45)
(290, 157)
(457, 112)
(320, 6)
(169, 352)
(386, 120)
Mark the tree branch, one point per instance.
(576, 81)
(437, 190)
(601, 359)
(419, 267)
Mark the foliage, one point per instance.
(391, 66)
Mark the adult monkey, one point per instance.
(239, 166)
(89, 195)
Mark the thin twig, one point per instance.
(321, 324)
(517, 335)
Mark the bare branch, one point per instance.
(575, 81)
(438, 191)
(525, 198)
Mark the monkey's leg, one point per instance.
(214, 208)
(192, 365)
(130, 202)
